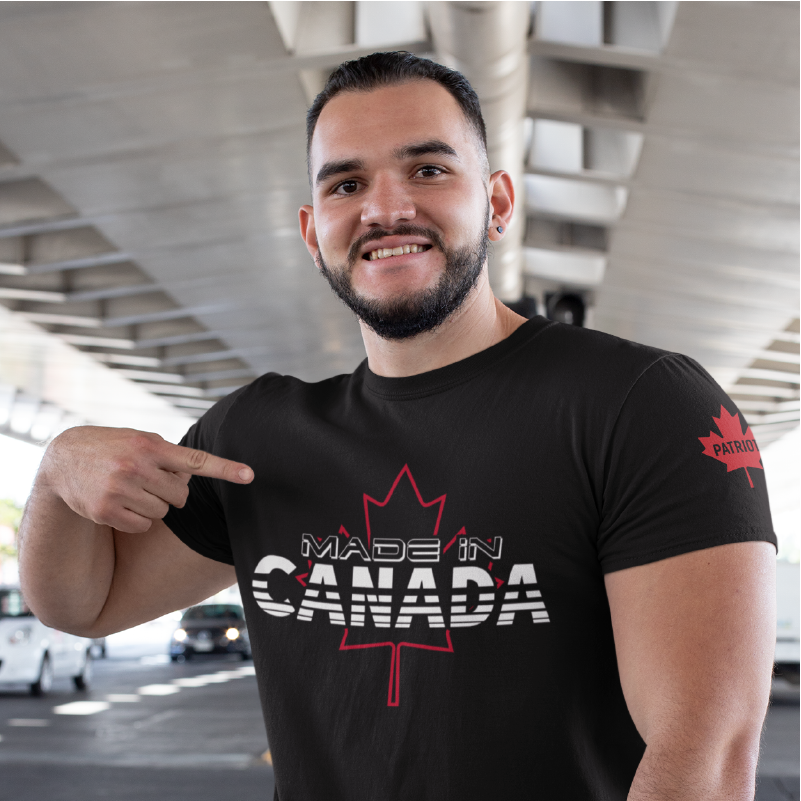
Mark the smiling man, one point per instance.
(501, 560)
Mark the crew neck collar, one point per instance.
(442, 378)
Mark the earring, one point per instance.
(499, 229)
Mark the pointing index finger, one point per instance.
(200, 463)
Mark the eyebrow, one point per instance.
(336, 167)
(432, 147)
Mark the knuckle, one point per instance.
(141, 442)
(105, 512)
(197, 459)
(126, 467)
(139, 526)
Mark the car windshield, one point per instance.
(13, 605)
(213, 612)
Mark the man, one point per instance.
(493, 563)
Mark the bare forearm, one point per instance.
(685, 773)
(66, 562)
(95, 555)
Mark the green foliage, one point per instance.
(10, 515)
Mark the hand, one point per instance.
(126, 479)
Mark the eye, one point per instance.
(429, 171)
(346, 188)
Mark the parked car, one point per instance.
(34, 654)
(211, 629)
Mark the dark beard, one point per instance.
(409, 315)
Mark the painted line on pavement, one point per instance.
(82, 708)
(159, 689)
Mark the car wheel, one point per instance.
(43, 684)
(84, 678)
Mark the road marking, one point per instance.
(189, 681)
(157, 718)
(158, 659)
(214, 678)
(123, 698)
(158, 689)
(28, 722)
(82, 708)
(220, 677)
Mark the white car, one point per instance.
(34, 654)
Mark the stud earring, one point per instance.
(499, 229)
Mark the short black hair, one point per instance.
(390, 69)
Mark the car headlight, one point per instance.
(20, 636)
(232, 633)
(180, 635)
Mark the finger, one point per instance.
(129, 522)
(147, 505)
(178, 459)
(170, 487)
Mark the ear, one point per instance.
(308, 231)
(502, 203)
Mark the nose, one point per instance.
(387, 202)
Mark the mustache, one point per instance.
(404, 229)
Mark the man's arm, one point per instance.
(695, 637)
(95, 556)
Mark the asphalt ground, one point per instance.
(778, 774)
(149, 729)
(194, 731)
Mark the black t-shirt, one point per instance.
(422, 559)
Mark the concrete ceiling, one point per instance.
(152, 164)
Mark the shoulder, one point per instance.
(598, 375)
(583, 358)
(266, 398)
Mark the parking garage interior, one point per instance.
(152, 162)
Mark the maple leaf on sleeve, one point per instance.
(733, 448)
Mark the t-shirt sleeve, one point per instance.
(200, 523)
(682, 471)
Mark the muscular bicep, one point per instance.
(695, 637)
(155, 573)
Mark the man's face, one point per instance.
(401, 209)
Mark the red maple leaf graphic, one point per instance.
(734, 448)
(424, 504)
(393, 695)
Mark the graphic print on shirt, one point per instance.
(734, 448)
(403, 584)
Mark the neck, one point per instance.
(481, 322)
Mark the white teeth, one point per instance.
(383, 253)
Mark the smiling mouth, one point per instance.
(385, 253)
